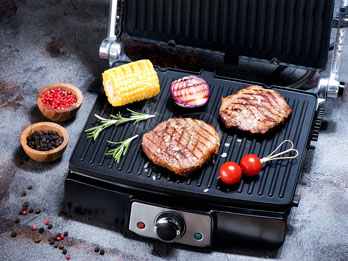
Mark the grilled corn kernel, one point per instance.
(131, 82)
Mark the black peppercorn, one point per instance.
(96, 249)
(49, 226)
(66, 233)
(24, 194)
(64, 251)
(102, 251)
(37, 211)
(41, 230)
(30, 187)
(44, 140)
(13, 234)
(31, 210)
(25, 204)
(17, 220)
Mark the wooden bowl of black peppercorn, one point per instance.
(44, 141)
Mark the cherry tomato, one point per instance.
(230, 172)
(250, 164)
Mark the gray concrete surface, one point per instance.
(43, 42)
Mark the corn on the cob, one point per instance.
(131, 82)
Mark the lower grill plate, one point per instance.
(273, 188)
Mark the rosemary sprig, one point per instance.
(115, 120)
(120, 150)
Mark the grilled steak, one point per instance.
(254, 109)
(181, 145)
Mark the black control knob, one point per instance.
(169, 226)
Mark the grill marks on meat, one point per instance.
(181, 145)
(254, 109)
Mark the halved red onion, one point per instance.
(190, 91)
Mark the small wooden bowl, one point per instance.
(61, 114)
(44, 156)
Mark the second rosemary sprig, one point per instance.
(115, 120)
(121, 150)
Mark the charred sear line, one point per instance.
(269, 111)
(274, 105)
(273, 97)
(243, 104)
(269, 119)
(196, 148)
(199, 133)
(206, 129)
(167, 150)
(247, 105)
(230, 113)
(183, 149)
(261, 99)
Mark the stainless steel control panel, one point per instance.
(170, 225)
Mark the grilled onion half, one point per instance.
(190, 92)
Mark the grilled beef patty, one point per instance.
(181, 145)
(254, 109)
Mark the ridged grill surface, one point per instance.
(275, 184)
(290, 31)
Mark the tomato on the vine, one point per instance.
(251, 164)
(230, 172)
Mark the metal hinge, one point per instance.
(336, 22)
(332, 87)
(111, 48)
(341, 19)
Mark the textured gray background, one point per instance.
(317, 229)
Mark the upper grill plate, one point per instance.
(294, 32)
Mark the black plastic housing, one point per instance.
(291, 32)
(110, 203)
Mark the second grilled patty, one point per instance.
(254, 109)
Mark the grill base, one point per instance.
(111, 203)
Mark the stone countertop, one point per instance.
(43, 42)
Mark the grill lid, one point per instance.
(291, 32)
(275, 185)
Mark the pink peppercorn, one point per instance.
(67, 257)
(47, 222)
(58, 99)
